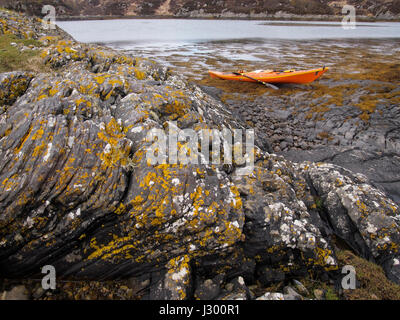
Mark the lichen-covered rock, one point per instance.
(77, 190)
(13, 85)
(25, 27)
(381, 167)
(282, 226)
(176, 282)
(74, 162)
(358, 213)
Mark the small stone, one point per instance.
(300, 287)
(229, 287)
(237, 290)
(271, 296)
(207, 290)
(319, 294)
(289, 139)
(291, 294)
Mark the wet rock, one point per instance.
(212, 91)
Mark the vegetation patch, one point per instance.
(372, 282)
(11, 58)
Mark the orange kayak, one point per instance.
(269, 76)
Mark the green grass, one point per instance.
(330, 294)
(12, 59)
(319, 203)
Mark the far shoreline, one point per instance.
(322, 18)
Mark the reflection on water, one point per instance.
(194, 46)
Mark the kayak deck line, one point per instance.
(287, 76)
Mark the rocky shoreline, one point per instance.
(353, 123)
(76, 191)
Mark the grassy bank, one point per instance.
(371, 282)
(11, 57)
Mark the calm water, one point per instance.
(194, 45)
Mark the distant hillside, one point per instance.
(386, 9)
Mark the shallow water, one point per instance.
(194, 46)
